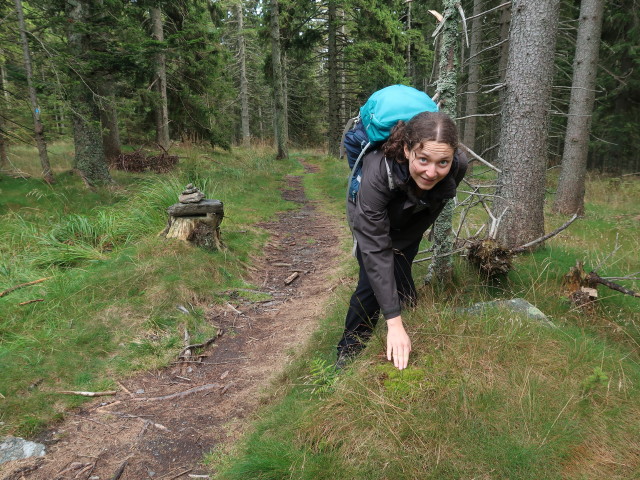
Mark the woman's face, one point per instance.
(429, 163)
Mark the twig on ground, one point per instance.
(234, 309)
(22, 285)
(120, 470)
(31, 301)
(88, 394)
(184, 393)
(201, 345)
(291, 278)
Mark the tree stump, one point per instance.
(196, 220)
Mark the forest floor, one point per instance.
(161, 424)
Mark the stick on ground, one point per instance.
(22, 285)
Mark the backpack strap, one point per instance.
(392, 184)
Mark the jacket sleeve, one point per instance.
(371, 228)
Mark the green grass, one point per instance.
(487, 396)
(110, 304)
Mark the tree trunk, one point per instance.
(109, 120)
(244, 84)
(335, 130)
(38, 128)
(570, 195)
(442, 266)
(87, 136)
(278, 85)
(160, 81)
(525, 118)
(473, 86)
(4, 158)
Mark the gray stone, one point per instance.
(518, 305)
(192, 209)
(15, 448)
(191, 197)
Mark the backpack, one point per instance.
(373, 125)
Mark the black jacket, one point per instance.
(384, 219)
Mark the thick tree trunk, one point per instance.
(244, 84)
(570, 195)
(473, 86)
(109, 120)
(442, 266)
(335, 130)
(87, 135)
(278, 84)
(525, 117)
(38, 127)
(162, 109)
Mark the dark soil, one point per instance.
(154, 438)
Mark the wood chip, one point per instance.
(291, 278)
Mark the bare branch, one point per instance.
(535, 242)
(506, 4)
(479, 158)
(464, 22)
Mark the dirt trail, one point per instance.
(167, 438)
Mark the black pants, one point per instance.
(364, 310)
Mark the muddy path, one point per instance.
(161, 423)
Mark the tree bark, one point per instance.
(473, 86)
(278, 84)
(442, 266)
(38, 127)
(4, 158)
(570, 193)
(525, 118)
(87, 136)
(244, 84)
(109, 120)
(160, 81)
(335, 130)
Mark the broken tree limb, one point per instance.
(479, 158)
(535, 242)
(88, 394)
(22, 285)
(595, 278)
(291, 278)
(120, 470)
(200, 345)
(184, 393)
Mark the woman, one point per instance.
(389, 219)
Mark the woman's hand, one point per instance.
(398, 343)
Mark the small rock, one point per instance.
(140, 391)
(15, 448)
(191, 197)
(518, 305)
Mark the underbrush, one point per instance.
(490, 395)
(116, 297)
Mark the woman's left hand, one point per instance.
(398, 343)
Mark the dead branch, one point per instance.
(200, 345)
(291, 278)
(490, 10)
(88, 394)
(595, 278)
(535, 242)
(22, 285)
(21, 304)
(464, 23)
(120, 470)
(208, 386)
(479, 158)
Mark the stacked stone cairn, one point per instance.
(195, 219)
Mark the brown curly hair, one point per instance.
(424, 127)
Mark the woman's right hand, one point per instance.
(398, 343)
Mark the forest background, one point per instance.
(202, 71)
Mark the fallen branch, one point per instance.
(88, 394)
(22, 285)
(535, 242)
(291, 278)
(120, 470)
(201, 345)
(594, 277)
(31, 301)
(184, 393)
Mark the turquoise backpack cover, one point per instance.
(388, 105)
